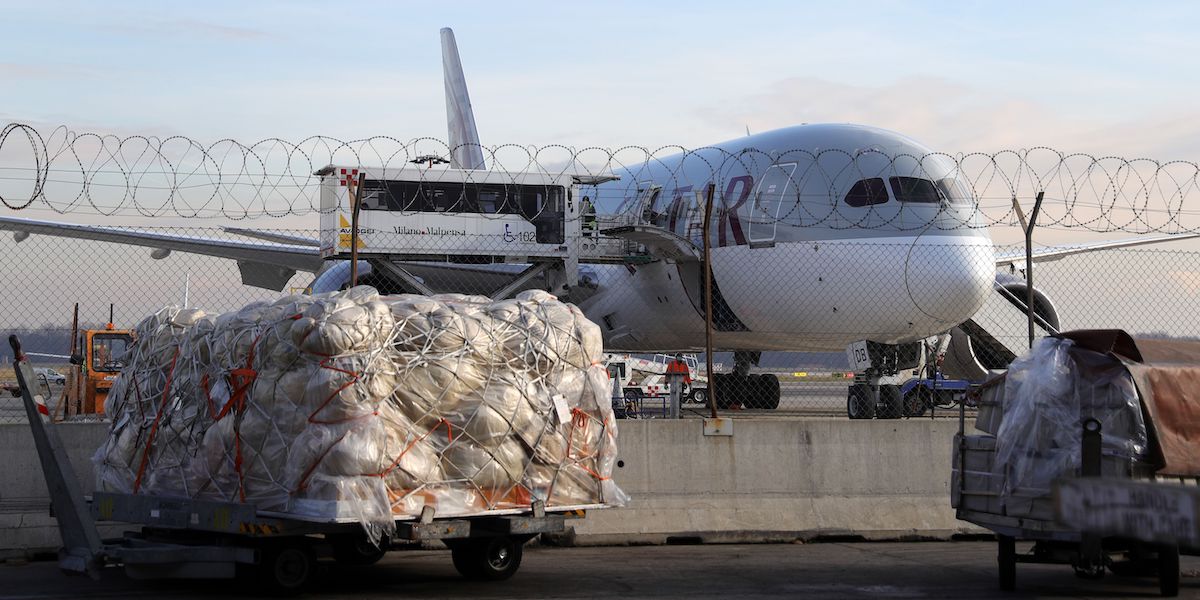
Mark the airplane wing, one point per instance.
(1016, 258)
(271, 263)
(271, 236)
(262, 264)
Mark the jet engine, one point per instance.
(999, 332)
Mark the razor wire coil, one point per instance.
(66, 171)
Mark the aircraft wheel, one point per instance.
(749, 390)
(770, 391)
(859, 402)
(726, 388)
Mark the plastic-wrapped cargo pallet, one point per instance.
(365, 407)
(1034, 416)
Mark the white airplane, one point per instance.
(826, 235)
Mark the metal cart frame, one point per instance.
(1089, 554)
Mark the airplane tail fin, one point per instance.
(465, 150)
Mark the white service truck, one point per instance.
(642, 378)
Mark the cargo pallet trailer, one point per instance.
(1132, 516)
(189, 538)
(1089, 554)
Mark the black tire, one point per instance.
(944, 399)
(726, 388)
(285, 570)
(357, 550)
(488, 559)
(860, 403)
(770, 390)
(633, 403)
(891, 405)
(916, 401)
(698, 396)
(1168, 571)
(1006, 559)
(751, 390)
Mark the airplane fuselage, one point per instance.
(821, 235)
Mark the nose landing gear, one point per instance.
(745, 389)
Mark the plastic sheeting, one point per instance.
(1049, 393)
(359, 406)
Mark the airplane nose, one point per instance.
(948, 277)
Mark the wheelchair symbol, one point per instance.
(508, 235)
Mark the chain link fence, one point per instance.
(817, 294)
(813, 248)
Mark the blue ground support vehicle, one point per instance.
(922, 394)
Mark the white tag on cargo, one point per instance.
(561, 409)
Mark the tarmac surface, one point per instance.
(818, 570)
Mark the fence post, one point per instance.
(1037, 206)
(708, 326)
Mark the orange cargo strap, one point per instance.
(137, 482)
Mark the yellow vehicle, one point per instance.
(102, 358)
(97, 356)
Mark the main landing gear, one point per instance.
(742, 388)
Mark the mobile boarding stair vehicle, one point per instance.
(1091, 450)
(187, 538)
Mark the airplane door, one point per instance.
(768, 198)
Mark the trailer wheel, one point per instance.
(357, 550)
(488, 559)
(1168, 571)
(860, 403)
(1006, 558)
(698, 396)
(286, 569)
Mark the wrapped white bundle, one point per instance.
(138, 401)
(373, 407)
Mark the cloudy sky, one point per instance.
(1106, 78)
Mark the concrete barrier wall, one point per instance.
(25, 523)
(773, 479)
(781, 479)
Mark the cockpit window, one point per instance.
(914, 189)
(954, 189)
(866, 192)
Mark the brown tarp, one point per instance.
(1167, 375)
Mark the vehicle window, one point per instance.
(866, 192)
(108, 352)
(915, 189)
(954, 189)
(471, 198)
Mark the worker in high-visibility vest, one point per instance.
(678, 366)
